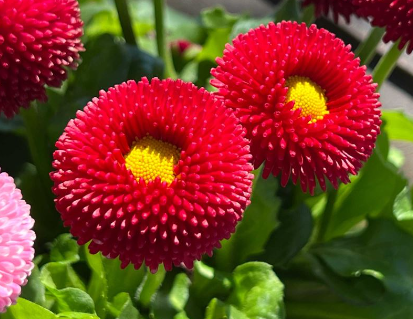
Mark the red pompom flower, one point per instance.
(154, 172)
(344, 8)
(309, 108)
(395, 15)
(38, 38)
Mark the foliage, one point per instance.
(273, 267)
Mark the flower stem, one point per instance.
(125, 22)
(37, 139)
(386, 65)
(164, 51)
(367, 49)
(326, 216)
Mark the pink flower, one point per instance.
(16, 242)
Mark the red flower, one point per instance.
(38, 38)
(181, 46)
(344, 8)
(153, 172)
(309, 109)
(395, 15)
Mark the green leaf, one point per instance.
(72, 300)
(77, 315)
(362, 289)
(179, 294)
(91, 9)
(218, 18)
(101, 69)
(98, 286)
(34, 290)
(403, 210)
(245, 25)
(368, 195)
(396, 157)
(383, 145)
(181, 315)
(65, 249)
(117, 63)
(218, 310)
(214, 45)
(102, 22)
(402, 207)
(290, 237)
(59, 275)
(189, 72)
(109, 279)
(398, 125)
(258, 292)
(122, 280)
(382, 251)
(289, 10)
(27, 309)
(65, 287)
(171, 298)
(219, 24)
(122, 307)
(48, 223)
(150, 285)
(259, 221)
(207, 283)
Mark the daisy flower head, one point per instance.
(16, 242)
(344, 8)
(153, 172)
(394, 15)
(309, 108)
(38, 39)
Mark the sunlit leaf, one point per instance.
(398, 125)
(27, 309)
(257, 292)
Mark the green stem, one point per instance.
(37, 140)
(367, 49)
(386, 65)
(164, 51)
(125, 22)
(326, 216)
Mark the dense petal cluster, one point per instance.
(105, 196)
(38, 38)
(16, 242)
(395, 15)
(324, 125)
(344, 8)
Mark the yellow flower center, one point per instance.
(150, 158)
(308, 96)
